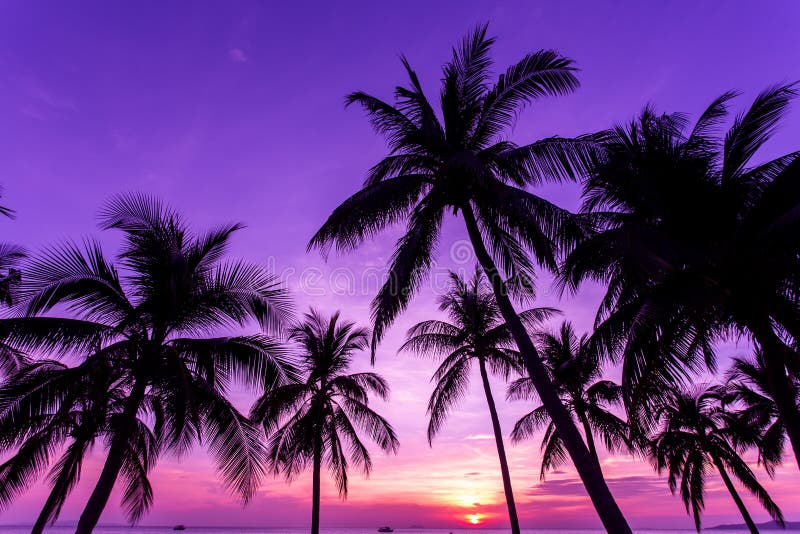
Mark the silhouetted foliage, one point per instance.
(458, 159)
(476, 333)
(49, 408)
(150, 318)
(747, 388)
(575, 370)
(693, 437)
(10, 258)
(696, 242)
(319, 418)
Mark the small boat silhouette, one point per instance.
(179, 527)
(386, 529)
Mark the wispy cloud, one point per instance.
(52, 101)
(237, 55)
(40, 102)
(479, 437)
(624, 486)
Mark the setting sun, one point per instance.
(475, 519)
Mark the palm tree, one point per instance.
(318, 419)
(748, 387)
(476, 334)
(693, 438)
(153, 319)
(575, 370)
(92, 398)
(460, 161)
(696, 243)
(10, 258)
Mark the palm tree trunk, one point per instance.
(589, 470)
(316, 483)
(45, 514)
(501, 450)
(738, 500)
(587, 429)
(108, 476)
(782, 388)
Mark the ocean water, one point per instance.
(211, 530)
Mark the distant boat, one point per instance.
(179, 527)
(386, 529)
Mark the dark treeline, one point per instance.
(695, 238)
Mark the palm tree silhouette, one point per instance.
(463, 164)
(10, 258)
(476, 333)
(694, 436)
(318, 419)
(696, 243)
(748, 387)
(152, 321)
(91, 398)
(575, 370)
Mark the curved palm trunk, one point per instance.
(587, 429)
(316, 484)
(46, 513)
(108, 476)
(589, 470)
(738, 500)
(783, 389)
(501, 450)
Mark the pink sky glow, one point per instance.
(233, 111)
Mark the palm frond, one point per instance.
(63, 478)
(552, 158)
(23, 469)
(700, 137)
(553, 452)
(256, 360)
(236, 292)
(136, 213)
(752, 129)
(54, 335)
(409, 265)
(375, 426)
(369, 211)
(542, 73)
(451, 387)
(235, 445)
(529, 424)
(80, 279)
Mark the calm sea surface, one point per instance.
(208, 530)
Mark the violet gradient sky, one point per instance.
(234, 111)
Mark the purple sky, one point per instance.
(234, 111)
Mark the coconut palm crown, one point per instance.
(475, 334)
(747, 388)
(154, 316)
(576, 371)
(458, 160)
(322, 417)
(694, 436)
(92, 399)
(698, 241)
